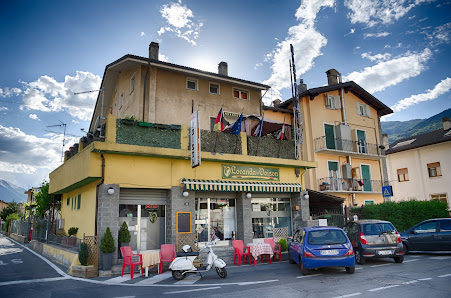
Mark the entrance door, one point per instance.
(330, 136)
(361, 141)
(366, 177)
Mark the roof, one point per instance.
(421, 140)
(364, 221)
(321, 228)
(348, 87)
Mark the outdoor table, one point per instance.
(258, 249)
(150, 258)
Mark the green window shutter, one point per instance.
(330, 136)
(333, 165)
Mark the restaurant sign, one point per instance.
(249, 173)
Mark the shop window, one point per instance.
(403, 175)
(241, 94)
(214, 88)
(440, 197)
(191, 84)
(434, 169)
(215, 219)
(270, 213)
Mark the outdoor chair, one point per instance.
(241, 251)
(128, 255)
(167, 254)
(275, 248)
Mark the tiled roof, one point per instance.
(421, 140)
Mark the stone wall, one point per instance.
(243, 218)
(178, 203)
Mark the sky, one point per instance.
(398, 50)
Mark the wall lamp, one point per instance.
(248, 195)
(185, 194)
(110, 191)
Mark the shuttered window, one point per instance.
(434, 169)
(403, 175)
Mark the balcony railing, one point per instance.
(349, 185)
(337, 144)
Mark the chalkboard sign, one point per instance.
(183, 222)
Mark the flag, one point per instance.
(219, 123)
(259, 129)
(282, 131)
(236, 127)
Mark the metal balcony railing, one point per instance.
(349, 185)
(359, 147)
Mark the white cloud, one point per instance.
(389, 73)
(350, 32)
(373, 12)
(8, 92)
(143, 34)
(34, 117)
(48, 95)
(307, 43)
(376, 57)
(380, 34)
(3, 109)
(163, 58)
(180, 21)
(440, 35)
(441, 88)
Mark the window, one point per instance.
(363, 109)
(445, 225)
(325, 237)
(403, 175)
(434, 169)
(72, 201)
(369, 202)
(333, 102)
(67, 201)
(429, 227)
(79, 202)
(121, 99)
(241, 94)
(214, 88)
(132, 83)
(440, 197)
(191, 84)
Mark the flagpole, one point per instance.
(236, 143)
(261, 131)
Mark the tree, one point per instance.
(42, 199)
(12, 208)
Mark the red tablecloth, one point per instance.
(260, 249)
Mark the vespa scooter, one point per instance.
(183, 264)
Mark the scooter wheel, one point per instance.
(178, 275)
(222, 272)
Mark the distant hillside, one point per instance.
(11, 193)
(402, 129)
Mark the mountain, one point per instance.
(11, 193)
(402, 129)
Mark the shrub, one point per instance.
(83, 254)
(404, 215)
(12, 216)
(283, 244)
(124, 234)
(107, 243)
(72, 231)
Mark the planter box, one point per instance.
(85, 271)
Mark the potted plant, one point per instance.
(124, 236)
(107, 248)
(83, 254)
(72, 232)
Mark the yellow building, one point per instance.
(342, 133)
(135, 165)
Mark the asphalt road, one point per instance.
(24, 274)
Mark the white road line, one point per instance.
(358, 268)
(446, 275)
(423, 279)
(255, 282)
(305, 276)
(374, 266)
(189, 280)
(440, 258)
(383, 288)
(119, 279)
(154, 279)
(195, 290)
(410, 282)
(26, 281)
(411, 260)
(349, 295)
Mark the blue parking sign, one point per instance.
(387, 191)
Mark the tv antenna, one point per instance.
(63, 125)
(100, 118)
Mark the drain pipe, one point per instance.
(342, 100)
(97, 191)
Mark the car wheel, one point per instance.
(350, 270)
(405, 249)
(304, 270)
(290, 260)
(359, 258)
(399, 259)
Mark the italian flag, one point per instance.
(282, 131)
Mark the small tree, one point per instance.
(124, 234)
(12, 208)
(83, 254)
(283, 244)
(72, 231)
(42, 200)
(107, 243)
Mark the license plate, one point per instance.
(384, 252)
(329, 252)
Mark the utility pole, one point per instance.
(298, 131)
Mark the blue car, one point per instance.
(317, 247)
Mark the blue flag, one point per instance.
(236, 127)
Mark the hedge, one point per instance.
(404, 215)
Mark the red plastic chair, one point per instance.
(275, 248)
(167, 254)
(127, 255)
(241, 251)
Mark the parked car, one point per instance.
(316, 247)
(374, 239)
(429, 235)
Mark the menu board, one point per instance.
(183, 222)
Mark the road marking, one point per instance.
(189, 280)
(255, 282)
(411, 260)
(440, 258)
(423, 279)
(17, 282)
(383, 288)
(118, 279)
(358, 268)
(446, 275)
(305, 276)
(194, 290)
(410, 282)
(17, 261)
(374, 266)
(154, 279)
(349, 295)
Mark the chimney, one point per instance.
(332, 76)
(276, 102)
(302, 87)
(153, 50)
(446, 123)
(385, 142)
(223, 69)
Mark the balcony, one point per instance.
(340, 185)
(345, 147)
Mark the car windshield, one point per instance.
(322, 237)
(377, 228)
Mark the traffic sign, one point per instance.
(387, 191)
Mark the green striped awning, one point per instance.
(238, 186)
